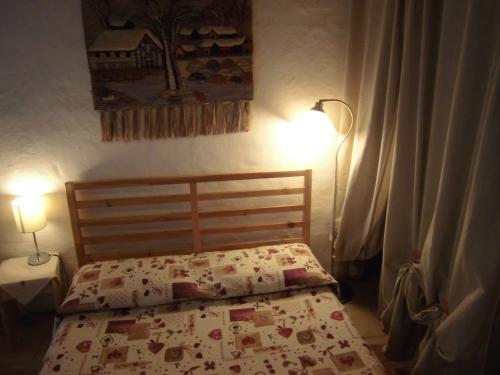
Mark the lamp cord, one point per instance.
(335, 184)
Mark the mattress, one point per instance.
(294, 329)
(297, 332)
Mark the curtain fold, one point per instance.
(372, 83)
(425, 177)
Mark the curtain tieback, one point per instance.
(418, 310)
(407, 314)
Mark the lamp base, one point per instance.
(38, 259)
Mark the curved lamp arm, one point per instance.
(319, 107)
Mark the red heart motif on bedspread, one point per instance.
(247, 340)
(236, 369)
(337, 315)
(285, 332)
(84, 346)
(154, 346)
(215, 334)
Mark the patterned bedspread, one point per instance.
(301, 332)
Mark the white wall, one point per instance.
(50, 134)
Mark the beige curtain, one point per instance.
(426, 175)
(371, 90)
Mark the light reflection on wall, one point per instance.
(29, 184)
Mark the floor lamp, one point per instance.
(318, 109)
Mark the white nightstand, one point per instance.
(20, 283)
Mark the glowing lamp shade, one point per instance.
(315, 123)
(29, 214)
(307, 137)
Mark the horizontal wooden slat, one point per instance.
(97, 257)
(137, 237)
(137, 182)
(250, 244)
(140, 201)
(249, 194)
(138, 219)
(252, 228)
(134, 201)
(250, 211)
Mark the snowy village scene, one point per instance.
(166, 52)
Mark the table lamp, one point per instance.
(29, 215)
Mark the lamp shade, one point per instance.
(317, 121)
(29, 214)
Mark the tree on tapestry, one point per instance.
(152, 61)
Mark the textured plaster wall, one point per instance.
(50, 133)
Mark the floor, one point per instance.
(35, 332)
(363, 311)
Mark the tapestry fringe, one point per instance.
(186, 120)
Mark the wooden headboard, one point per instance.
(112, 208)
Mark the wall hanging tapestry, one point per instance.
(169, 68)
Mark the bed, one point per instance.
(189, 286)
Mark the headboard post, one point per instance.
(75, 223)
(307, 206)
(195, 217)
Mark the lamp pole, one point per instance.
(318, 106)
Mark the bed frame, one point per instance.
(195, 232)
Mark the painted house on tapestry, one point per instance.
(125, 49)
(218, 32)
(211, 41)
(208, 32)
(217, 47)
(185, 51)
